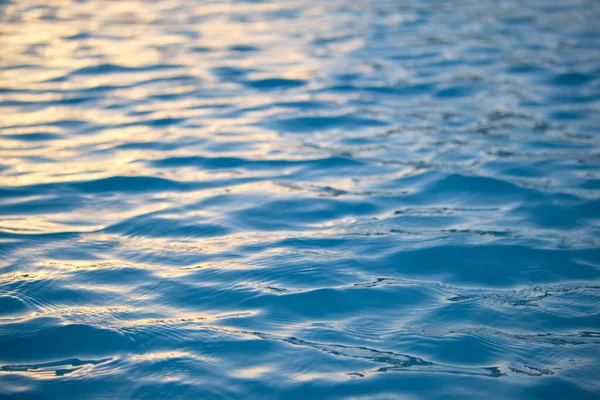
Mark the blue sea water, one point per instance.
(365, 199)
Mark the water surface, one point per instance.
(299, 199)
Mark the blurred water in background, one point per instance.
(299, 199)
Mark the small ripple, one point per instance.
(274, 83)
(312, 124)
(58, 368)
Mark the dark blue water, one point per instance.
(299, 199)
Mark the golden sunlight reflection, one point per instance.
(253, 372)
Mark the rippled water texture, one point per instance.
(299, 199)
